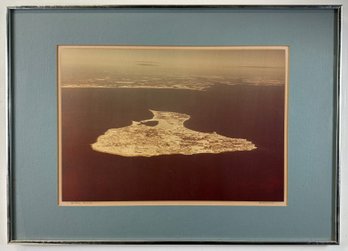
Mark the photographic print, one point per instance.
(172, 125)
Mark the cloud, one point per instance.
(147, 63)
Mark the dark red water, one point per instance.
(255, 113)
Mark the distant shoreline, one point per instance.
(198, 88)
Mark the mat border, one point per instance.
(336, 137)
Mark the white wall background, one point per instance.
(3, 154)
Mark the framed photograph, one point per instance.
(174, 124)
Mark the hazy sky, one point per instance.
(166, 60)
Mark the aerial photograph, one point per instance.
(202, 125)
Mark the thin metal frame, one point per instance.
(336, 132)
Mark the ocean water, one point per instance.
(252, 112)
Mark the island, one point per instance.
(165, 134)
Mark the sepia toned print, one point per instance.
(165, 125)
